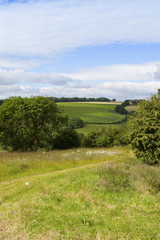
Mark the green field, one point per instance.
(81, 194)
(131, 108)
(92, 112)
(97, 127)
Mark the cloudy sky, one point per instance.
(84, 48)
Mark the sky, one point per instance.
(82, 48)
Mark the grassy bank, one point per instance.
(114, 199)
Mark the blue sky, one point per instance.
(85, 48)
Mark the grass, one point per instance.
(90, 127)
(92, 112)
(15, 165)
(131, 108)
(114, 200)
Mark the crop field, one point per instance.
(80, 194)
(92, 112)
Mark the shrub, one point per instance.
(66, 139)
(144, 130)
(76, 123)
(105, 138)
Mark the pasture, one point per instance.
(131, 108)
(97, 127)
(92, 112)
(78, 194)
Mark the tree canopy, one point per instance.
(29, 123)
(144, 130)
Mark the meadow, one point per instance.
(131, 108)
(104, 193)
(97, 127)
(92, 112)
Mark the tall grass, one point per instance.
(14, 165)
(117, 199)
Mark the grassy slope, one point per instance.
(90, 127)
(92, 113)
(118, 199)
(131, 108)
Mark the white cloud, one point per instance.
(157, 74)
(14, 63)
(118, 90)
(47, 28)
(118, 72)
(113, 81)
(19, 76)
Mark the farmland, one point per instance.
(92, 112)
(78, 194)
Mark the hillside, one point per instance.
(92, 112)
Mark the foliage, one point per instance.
(125, 103)
(67, 138)
(29, 123)
(136, 101)
(120, 109)
(144, 129)
(83, 99)
(105, 137)
(76, 122)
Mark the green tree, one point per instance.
(29, 123)
(67, 138)
(144, 130)
(105, 138)
(76, 122)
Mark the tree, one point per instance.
(120, 109)
(125, 103)
(67, 138)
(144, 130)
(29, 123)
(75, 123)
(105, 138)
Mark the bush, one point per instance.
(66, 139)
(76, 123)
(144, 130)
(120, 109)
(105, 138)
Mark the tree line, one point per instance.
(82, 99)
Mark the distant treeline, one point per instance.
(84, 99)
(78, 99)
